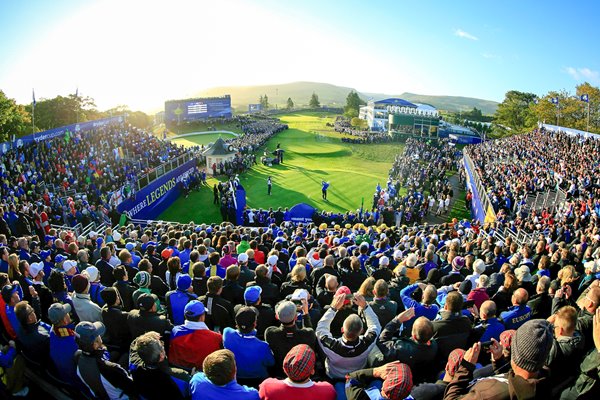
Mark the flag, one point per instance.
(585, 97)
(536, 101)
(33, 94)
(77, 92)
(554, 100)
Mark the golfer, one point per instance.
(324, 187)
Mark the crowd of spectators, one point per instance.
(301, 312)
(77, 178)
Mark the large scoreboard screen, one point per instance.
(177, 111)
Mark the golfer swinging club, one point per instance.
(324, 187)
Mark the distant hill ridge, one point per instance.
(333, 95)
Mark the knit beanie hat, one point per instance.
(465, 287)
(109, 295)
(142, 279)
(79, 283)
(531, 345)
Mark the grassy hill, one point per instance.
(333, 95)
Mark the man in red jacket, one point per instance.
(193, 341)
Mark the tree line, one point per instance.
(17, 119)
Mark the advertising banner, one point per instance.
(156, 197)
(178, 111)
(302, 212)
(477, 211)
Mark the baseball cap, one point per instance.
(92, 273)
(398, 383)
(58, 311)
(300, 294)
(194, 308)
(68, 265)
(384, 260)
(184, 281)
(272, 260)
(398, 254)
(299, 363)
(88, 331)
(35, 268)
(7, 292)
(59, 258)
(146, 301)
(44, 254)
(166, 253)
(245, 317)
(130, 246)
(252, 294)
(344, 290)
(506, 338)
(242, 258)
(286, 312)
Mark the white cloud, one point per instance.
(584, 74)
(491, 56)
(465, 35)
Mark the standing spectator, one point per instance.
(384, 308)
(269, 186)
(219, 312)
(217, 381)
(192, 342)
(176, 300)
(115, 320)
(452, 330)
(266, 315)
(146, 318)
(299, 366)
(124, 287)
(35, 335)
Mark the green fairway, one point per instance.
(313, 152)
(201, 139)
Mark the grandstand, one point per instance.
(86, 266)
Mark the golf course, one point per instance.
(313, 153)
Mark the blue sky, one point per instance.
(141, 53)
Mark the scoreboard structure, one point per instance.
(198, 109)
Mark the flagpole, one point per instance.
(588, 116)
(33, 116)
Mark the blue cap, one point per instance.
(252, 294)
(88, 331)
(130, 246)
(184, 281)
(298, 238)
(59, 258)
(99, 241)
(48, 237)
(44, 254)
(194, 308)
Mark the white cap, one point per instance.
(68, 265)
(92, 273)
(116, 236)
(398, 254)
(384, 261)
(35, 268)
(272, 260)
(300, 294)
(92, 234)
(242, 258)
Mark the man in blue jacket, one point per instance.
(177, 299)
(253, 356)
(519, 313)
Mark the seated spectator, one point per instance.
(398, 282)
(143, 281)
(479, 294)
(478, 270)
(325, 294)
(115, 320)
(157, 285)
(11, 295)
(176, 300)
(526, 378)
(103, 378)
(193, 341)
(487, 326)
(104, 266)
(435, 391)
(199, 279)
(34, 337)
(384, 308)
(426, 308)
(270, 291)
(350, 352)
(62, 342)
(519, 313)
(299, 366)
(85, 308)
(455, 274)
(124, 287)
(146, 317)
(96, 287)
(568, 345)
(266, 315)
(252, 356)
(283, 338)
(418, 351)
(355, 276)
(452, 330)
(36, 271)
(217, 381)
(219, 312)
(396, 377)
(233, 292)
(151, 373)
(541, 302)
(246, 274)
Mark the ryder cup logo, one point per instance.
(77, 128)
(19, 143)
